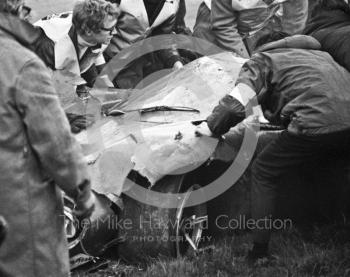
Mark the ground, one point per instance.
(318, 251)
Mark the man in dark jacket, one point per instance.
(38, 158)
(330, 25)
(306, 91)
(139, 20)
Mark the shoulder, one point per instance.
(15, 53)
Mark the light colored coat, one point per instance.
(234, 21)
(36, 147)
(57, 27)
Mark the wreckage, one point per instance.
(159, 185)
(145, 141)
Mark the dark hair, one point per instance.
(10, 6)
(90, 14)
(270, 37)
(330, 5)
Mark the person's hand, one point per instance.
(203, 130)
(84, 209)
(178, 65)
(80, 122)
(227, 114)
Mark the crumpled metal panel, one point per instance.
(161, 142)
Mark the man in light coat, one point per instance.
(306, 91)
(38, 159)
(78, 38)
(237, 25)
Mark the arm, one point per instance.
(169, 56)
(48, 133)
(295, 13)
(180, 24)
(224, 27)
(231, 109)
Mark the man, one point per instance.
(237, 25)
(37, 152)
(73, 47)
(330, 25)
(139, 20)
(78, 39)
(306, 91)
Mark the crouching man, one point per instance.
(38, 158)
(306, 91)
(74, 47)
(78, 39)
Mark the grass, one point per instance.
(318, 251)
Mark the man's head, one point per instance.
(95, 20)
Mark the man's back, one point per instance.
(306, 85)
(36, 147)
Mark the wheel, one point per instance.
(153, 231)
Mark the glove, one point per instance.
(3, 229)
(84, 209)
(227, 114)
(79, 122)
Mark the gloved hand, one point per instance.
(84, 209)
(227, 114)
(79, 122)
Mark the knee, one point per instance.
(262, 175)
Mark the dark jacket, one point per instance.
(330, 25)
(301, 88)
(37, 150)
(133, 26)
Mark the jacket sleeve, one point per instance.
(224, 27)
(256, 73)
(295, 13)
(168, 56)
(48, 131)
(180, 24)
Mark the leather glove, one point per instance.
(227, 114)
(3, 229)
(79, 122)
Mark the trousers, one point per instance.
(287, 151)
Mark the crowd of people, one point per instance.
(297, 69)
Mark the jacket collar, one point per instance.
(296, 41)
(24, 32)
(240, 5)
(74, 37)
(138, 10)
